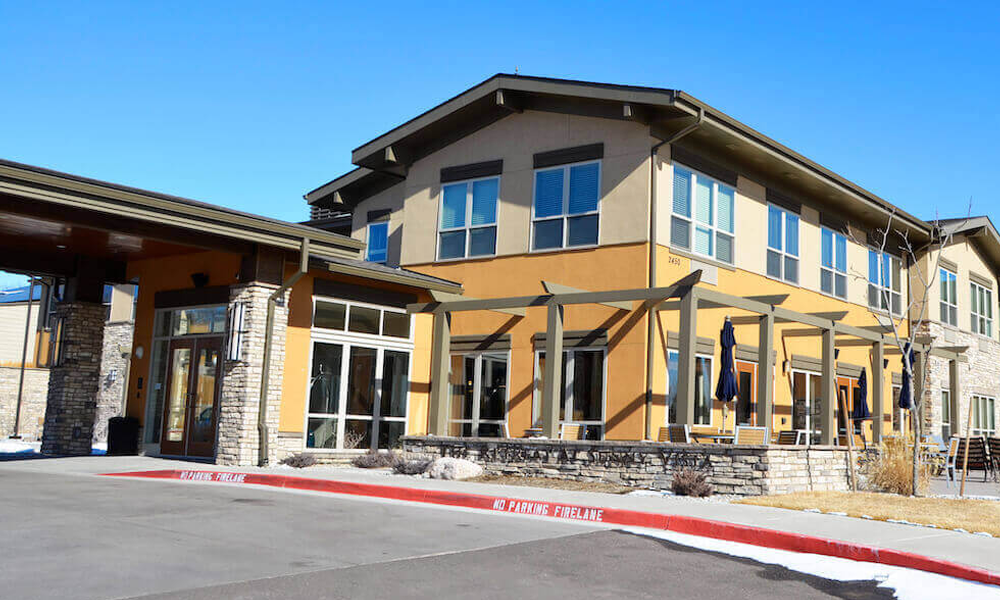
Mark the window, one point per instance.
(982, 310)
(357, 318)
(468, 219)
(884, 282)
(983, 416)
(833, 263)
(582, 390)
(945, 414)
(807, 402)
(703, 210)
(378, 242)
(702, 388)
(949, 298)
(782, 244)
(478, 395)
(566, 206)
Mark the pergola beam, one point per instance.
(442, 297)
(557, 288)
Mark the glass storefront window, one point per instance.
(582, 390)
(396, 324)
(702, 388)
(478, 395)
(330, 315)
(195, 321)
(364, 319)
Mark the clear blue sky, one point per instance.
(250, 105)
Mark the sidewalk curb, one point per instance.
(745, 534)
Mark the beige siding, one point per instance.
(969, 260)
(12, 332)
(391, 199)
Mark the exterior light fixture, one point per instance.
(234, 342)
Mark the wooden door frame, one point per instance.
(178, 448)
(754, 374)
(204, 449)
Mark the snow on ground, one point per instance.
(907, 584)
(9, 446)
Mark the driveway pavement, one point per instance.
(74, 535)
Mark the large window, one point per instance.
(982, 309)
(983, 416)
(702, 388)
(360, 318)
(949, 298)
(782, 244)
(566, 211)
(945, 414)
(807, 400)
(884, 282)
(833, 263)
(468, 225)
(582, 397)
(703, 218)
(478, 395)
(378, 242)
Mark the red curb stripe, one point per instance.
(720, 530)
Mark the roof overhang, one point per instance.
(981, 232)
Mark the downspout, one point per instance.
(653, 313)
(263, 431)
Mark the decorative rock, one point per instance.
(454, 468)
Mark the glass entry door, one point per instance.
(746, 378)
(191, 406)
(478, 395)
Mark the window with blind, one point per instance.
(566, 207)
(468, 225)
(982, 309)
(983, 415)
(702, 219)
(949, 298)
(782, 244)
(833, 263)
(378, 242)
(945, 414)
(884, 282)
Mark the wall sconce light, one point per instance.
(836, 353)
(234, 343)
(785, 367)
(199, 280)
(885, 363)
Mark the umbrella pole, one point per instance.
(849, 434)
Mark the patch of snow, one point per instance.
(646, 493)
(813, 510)
(869, 517)
(837, 514)
(908, 584)
(983, 533)
(9, 446)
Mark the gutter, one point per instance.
(652, 312)
(263, 430)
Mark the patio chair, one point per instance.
(570, 431)
(858, 441)
(950, 459)
(789, 437)
(994, 450)
(676, 434)
(757, 436)
(978, 458)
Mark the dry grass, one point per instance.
(554, 484)
(892, 470)
(971, 515)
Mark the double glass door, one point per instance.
(357, 397)
(191, 407)
(478, 395)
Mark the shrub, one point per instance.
(416, 466)
(299, 461)
(375, 460)
(688, 482)
(891, 471)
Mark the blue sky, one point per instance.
(250, 105)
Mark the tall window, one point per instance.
(566, 206)
(478, 395)
(983, 416)
(782, 244)
(468, 219)
(582, 398)
(807, 402)
(702, 388)
(833, 263)
(945, 414)
(703, 219)
(884, 282)
(378, 242)
(982, 310)
(949, 298)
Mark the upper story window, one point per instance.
(884, 282)
(702, 218)
(566, 211)
(468, 224)
(833, 263)
(982, 309)
(782, 244)
(378, 242)
(949, 298)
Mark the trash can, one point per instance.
(123, 436)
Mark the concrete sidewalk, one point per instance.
(965, 548)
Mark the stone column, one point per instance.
(74, 382)
(239, 402)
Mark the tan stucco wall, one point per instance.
(624, 178)
(391, 199)
(964, 253)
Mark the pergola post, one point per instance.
(828, 426)
(955, 389)
(686, 358)
(437, 418)
(878, 390)
(765, 373)
(552, 388)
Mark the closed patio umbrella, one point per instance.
(727, 388)
(905, 393)
(860, 411)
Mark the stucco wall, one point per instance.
(392, 200)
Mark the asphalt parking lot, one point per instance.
(82, 536)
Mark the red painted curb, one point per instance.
(745, 534)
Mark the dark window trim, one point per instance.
(495, 342)
(834, 224)
(698, 163)
(471, 171)
(566, 156)
(374, 216)
(782, 201)
(576, 339)
(191, 297)
(353, 292)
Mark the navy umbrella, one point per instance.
(727, 388)
(905, 393)
(860, 411)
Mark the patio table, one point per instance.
(721, 438)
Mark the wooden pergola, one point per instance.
(686, 297)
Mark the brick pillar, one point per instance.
(74, 382)
(237, 440)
